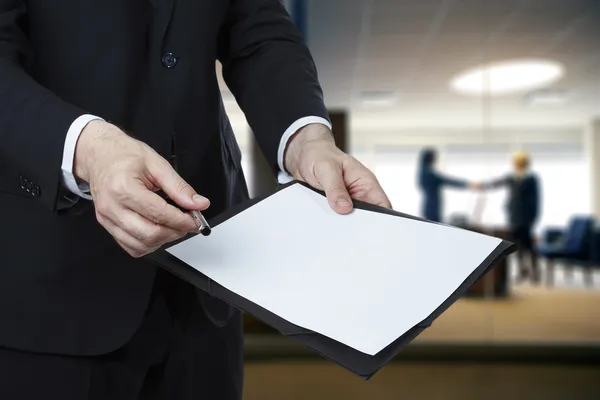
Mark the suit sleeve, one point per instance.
(451, 182)
(536, 199)
(33, 121)
(269, 70)
(497, 183)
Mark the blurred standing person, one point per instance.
(523, 208)
(431, 183)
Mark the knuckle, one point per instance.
(102, 208)
(371, 176)
(136, 254)
(154, 237)
(132, 252)
(141, 251)
(156, 216)
(163, 164)
(99, 216)
(182, 186)
(157, 213)
(176, 236)
(140, 235)
(353, 160)
(339, 190)
(117, 185)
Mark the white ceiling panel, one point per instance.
(414, 48)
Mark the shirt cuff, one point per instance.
(80, 189)
(283, 176)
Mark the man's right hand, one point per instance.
(124, 174)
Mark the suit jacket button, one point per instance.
(169, 60)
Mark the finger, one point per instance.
(156, 210)
(174, 186)
(150, 234)
(143, 230)
(131, 251)
(131, 245)
(376, 195)
(371, 191)
(330, 176)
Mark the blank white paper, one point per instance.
(362, 279)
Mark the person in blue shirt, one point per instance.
(431, 182)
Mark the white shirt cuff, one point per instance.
(283, 176)
(80, 189)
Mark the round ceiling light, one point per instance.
(508, 77)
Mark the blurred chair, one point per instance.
(571, 247)
(594, 251)
(459, 220)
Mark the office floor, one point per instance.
(530, 314)
(325, 381)
(565, 314)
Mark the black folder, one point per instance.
(358, 362)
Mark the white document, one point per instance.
(362, 279)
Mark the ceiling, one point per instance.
(412, 48)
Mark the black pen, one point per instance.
(204, 227)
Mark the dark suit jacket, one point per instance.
(149, 67)
(523, 205)
(432, 183)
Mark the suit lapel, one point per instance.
(163, 12)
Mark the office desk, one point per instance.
(495, 282)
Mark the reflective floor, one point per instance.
(321, 380)
(532, 314)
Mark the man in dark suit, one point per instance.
(84, 315)
(523, 208)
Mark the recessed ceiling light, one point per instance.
(508, 77)
(378, 98)
(546, 97)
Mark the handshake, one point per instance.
(476, 185)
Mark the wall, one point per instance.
(592, 143)
(566, 158)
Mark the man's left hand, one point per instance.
(313, 157)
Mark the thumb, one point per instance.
(330, 177)
(175, 186)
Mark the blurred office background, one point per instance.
(477, 80)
